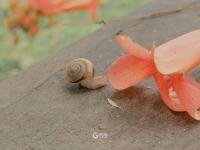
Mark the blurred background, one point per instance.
(17, 53)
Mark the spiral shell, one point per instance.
(78, 69)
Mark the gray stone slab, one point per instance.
(39, 111)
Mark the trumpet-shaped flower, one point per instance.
(51, 7)
(90, 5)
(179, 92)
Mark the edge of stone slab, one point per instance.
(18, 86)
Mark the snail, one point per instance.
(82, 71)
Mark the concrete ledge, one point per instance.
(38, 111)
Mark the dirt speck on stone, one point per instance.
(103, 126)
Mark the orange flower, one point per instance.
(44, 6)
(174, 59)
(130, 69)
(179, 55)
(29, 21)
(10, 23)
(14, 5)
(90, 5)
(34, 29)
(179, 92)
(20, 16)
(52, 7)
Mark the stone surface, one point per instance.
(39, 111)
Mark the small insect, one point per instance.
(82, 71)
(168, 64)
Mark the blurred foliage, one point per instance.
(70, 28)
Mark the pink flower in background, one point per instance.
(27, 16)
(90, 5)
(50, 7)
(45, 6)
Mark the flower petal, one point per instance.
(164, 87)
(90, 5)
(45, 6)
(94, 5)
(132, 48)
(188, 91)
(179, 55)
(129, 70)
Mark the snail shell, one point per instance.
(79, 69)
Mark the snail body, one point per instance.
(82, 71)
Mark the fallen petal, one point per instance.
(112, 103)
(128, 71)
(132, 48)
(179, 55)
(188, 91)
(164, 88)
